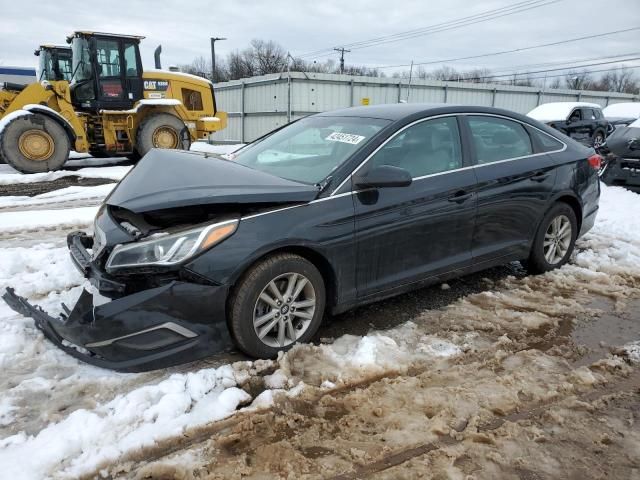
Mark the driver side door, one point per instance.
(407, 234)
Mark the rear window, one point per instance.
(498, 139)
(546, 143)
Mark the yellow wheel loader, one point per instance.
(111, 107)
(54, 63)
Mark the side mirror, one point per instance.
(383, 176)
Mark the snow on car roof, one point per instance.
(623, 110)
(548, 112)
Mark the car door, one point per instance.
(514, 187)
(405, 234)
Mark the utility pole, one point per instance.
(213, 56)
(342, 52)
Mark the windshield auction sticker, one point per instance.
(345, 138)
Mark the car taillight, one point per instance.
(595, 161)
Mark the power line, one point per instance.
(632, 67)
(516, 68)
(552, 69)
(514, 50)
(449, 25)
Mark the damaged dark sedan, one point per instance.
(192, 253)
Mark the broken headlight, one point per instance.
(170, 249)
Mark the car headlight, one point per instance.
(170, 249)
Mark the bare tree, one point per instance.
(576, 80)
(266, 56)
(619, 80)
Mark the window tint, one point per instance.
(429, 147)
(576, 115)
(130, 61)
(546, 143)
(108, 58)
(498, 139)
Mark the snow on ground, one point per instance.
(36, 220)
(63, 195)
(62, 418)
(10, 176)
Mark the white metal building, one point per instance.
(21, 75)
(257, 105)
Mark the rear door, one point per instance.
(515, 184)
(406, 234)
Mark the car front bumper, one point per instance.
(154, 328)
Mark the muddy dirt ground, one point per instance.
(541, 392)
(539, 387)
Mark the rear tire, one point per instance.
(295, 319)
(161, 130)
(555, 240)
(34, 143)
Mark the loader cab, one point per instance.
(54, 63)
(107, 71)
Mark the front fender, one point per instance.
(51, 113)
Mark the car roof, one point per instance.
(399, 111)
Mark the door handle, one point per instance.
(460, 197)
(540, 177)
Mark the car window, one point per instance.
(310, 149)
(429, 147)
(598, 112)
(498, 139)
(575, 116)
(588, 114)
(546, 143)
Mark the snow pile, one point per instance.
(351, 357)
(142, 417)
(36, 220)
(69, 194)
(613, 245)
(9, 176)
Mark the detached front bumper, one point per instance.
(154, 328)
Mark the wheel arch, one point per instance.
(308, 253)
(573, 201)
(55, 116)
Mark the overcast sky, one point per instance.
(184, 27)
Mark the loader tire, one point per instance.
(34, 143)
(162, 130)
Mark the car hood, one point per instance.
(169, 179)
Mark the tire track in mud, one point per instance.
(224, 436)
(631, 383)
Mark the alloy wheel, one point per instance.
(598, 141)
(557, 239)
(284, 310)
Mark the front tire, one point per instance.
(34, 143)
(278, 302)
(598, 139)
(161, 130)
(555, 240)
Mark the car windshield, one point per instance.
(310, 149)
